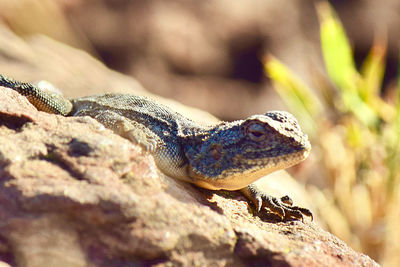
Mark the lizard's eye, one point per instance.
(256, 132)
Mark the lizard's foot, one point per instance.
(148, 144)
(129, 129)
(282, 207)
(137, 134)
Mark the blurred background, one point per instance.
(332, 64)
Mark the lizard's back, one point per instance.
(136, 108)
(157, 128)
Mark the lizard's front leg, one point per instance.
(129, 129)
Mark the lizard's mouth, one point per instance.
(248, 171)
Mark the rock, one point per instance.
(72, 193)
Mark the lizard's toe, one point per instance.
(303, 211)
(149, 145)
(274, 205)
(287, 200)
(141, 138)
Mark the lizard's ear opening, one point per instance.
(216, 151)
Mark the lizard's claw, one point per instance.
(282, 207)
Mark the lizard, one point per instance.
(227, 155)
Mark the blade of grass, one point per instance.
(299, 98)
(372, 71)
(340, 65)
(336, 49)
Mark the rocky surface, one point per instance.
(72, 193)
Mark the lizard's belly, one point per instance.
(234, 181)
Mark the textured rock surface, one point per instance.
(74, 194)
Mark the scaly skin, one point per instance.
(229, 155)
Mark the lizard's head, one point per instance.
(236, 154)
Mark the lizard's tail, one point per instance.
(43, 100)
